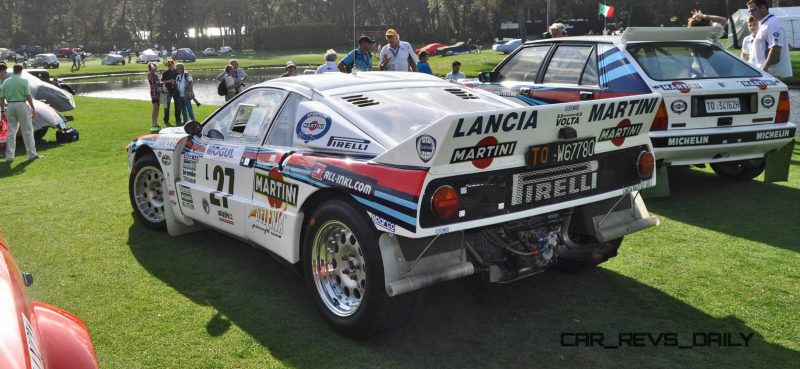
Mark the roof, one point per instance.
(330, 81)
(643, 34)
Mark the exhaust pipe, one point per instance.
(415, 282)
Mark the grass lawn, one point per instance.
(725, 259)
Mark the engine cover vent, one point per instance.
(360, 100)
(462, 94)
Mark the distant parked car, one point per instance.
(508, 47)
(34, 334)
(184, 54)
(430, 48)
(66, 52)
(209, 51)
(113, 59)
(45, 61)
(225, 50)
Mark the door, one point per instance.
(570, 75)
(519, 74)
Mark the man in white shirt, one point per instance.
(770, 47)
(456, 74)
(747, 42)
(396, 54)
(330, 63)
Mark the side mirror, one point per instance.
(488, 77)
(193, 128)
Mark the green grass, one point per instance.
(724, 259)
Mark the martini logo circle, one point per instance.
(426, 146)
(682, 87)
(768, 101)
(484, 152)
(679, 106)
(618, 134)
(313, 126)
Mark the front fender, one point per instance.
(64, 337)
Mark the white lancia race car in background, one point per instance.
(717, 109)
(383, 183)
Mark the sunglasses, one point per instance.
(752, 10)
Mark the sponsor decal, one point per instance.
(223, 152)
(572, 107)
(442, 230)
(206, 206)
(267, 220)
(166, 142)
(276, 190)
(225, 217)
(426, 146)
(34, 350)
(767, 101)
(618, 134)
(348, 143)
(313, 126)
(773, 135)
(642, 185)
(679, 106)
(551, 183)
(568, 119)
(338, 177)
(622, 109)
(188, 171)
(683, 87)
(483, 153)
(166, 160)
(382, 223)
(761, 84)
(687, 141)
(721, 84)
(776, 34)
(187, 201)
(484, 125)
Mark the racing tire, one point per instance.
(740, 170)
(147, 194)
(343, 270)
(39, 133)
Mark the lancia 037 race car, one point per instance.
(380, 184)
(721, 111)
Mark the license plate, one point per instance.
(555, 153)
(723, 105)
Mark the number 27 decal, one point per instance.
(219, 173)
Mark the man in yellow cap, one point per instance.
(397, 55)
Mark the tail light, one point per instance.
(782, 115)
(645, 164)
(661, 121)
(444, 203)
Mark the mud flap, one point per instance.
(778, 163)
(175, 227)
(661, 189)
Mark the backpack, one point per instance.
(222, 89)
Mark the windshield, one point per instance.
(666, 61)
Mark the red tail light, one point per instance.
(661, 121)
(444, 203)
(645, 165)
(782, 115)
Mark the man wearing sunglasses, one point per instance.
(770, 47)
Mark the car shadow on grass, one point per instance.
(754, 210)
(460, 324)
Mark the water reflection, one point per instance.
(136, 86)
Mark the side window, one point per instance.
(567, 64)
(590, 71)
(247, 118)
(524, 66)
(282, 130)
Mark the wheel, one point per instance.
(146, 192)
(344, 270)
(39, 133)
(741, 170)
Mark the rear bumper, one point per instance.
(712, 145)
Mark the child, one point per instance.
(456, 73)
(422, 64)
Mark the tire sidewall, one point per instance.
(148, 160)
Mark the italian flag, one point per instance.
(606, 11)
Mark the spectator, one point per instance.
(75, 61)
(168, 79)
(360, 58)
(291, 69)
(456, 74)
(330, 63)
(129, 56)
(397, 55)
(185, 86)
(770, 48)
(231, 83)
(16, 91)
(237, 74)
(422, 64)
(698, 19)
(154, 81)
(557, 30)
(747, 42)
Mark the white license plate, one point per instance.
(723, 105)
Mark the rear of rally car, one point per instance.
(719, 109)
(511, 192)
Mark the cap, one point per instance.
(391, 32)
(366, 39)
(290, 64)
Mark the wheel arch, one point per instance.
(141, 151)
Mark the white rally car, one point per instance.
(383, 183)
(717, 109)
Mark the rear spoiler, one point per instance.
(667, 34)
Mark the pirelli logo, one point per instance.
(546, 184)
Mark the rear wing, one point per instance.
(667, 34)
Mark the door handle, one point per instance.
(586, 95)
(525, 91)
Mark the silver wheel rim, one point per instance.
(148, 194)
(337, 262)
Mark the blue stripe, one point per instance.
(409, 220)
(397, 200)
(531, 101)
(611, 58)
(620, 72)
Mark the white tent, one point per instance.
(789, 15)
(148, 56)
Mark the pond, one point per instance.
(135, 86)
